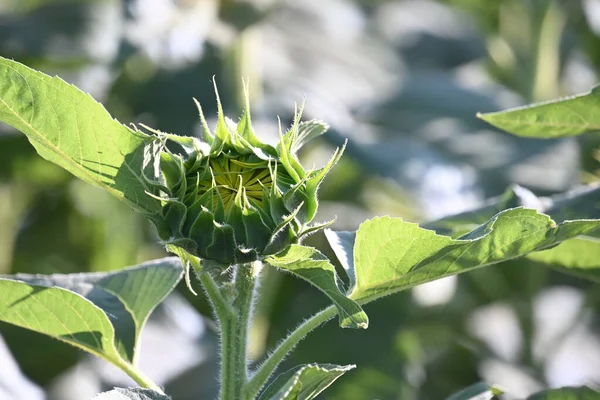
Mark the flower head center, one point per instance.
(232, 174)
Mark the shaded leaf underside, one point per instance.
(99, 312)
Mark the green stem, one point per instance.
(139, 377)
(260, 377)
(234, 321)
(222, 308)
(234, 331)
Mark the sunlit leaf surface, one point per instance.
(69, 128)
(304, 382)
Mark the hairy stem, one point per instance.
(222, 308)
(234, 318)
(220, 305)
(234, 333)
(260, 377)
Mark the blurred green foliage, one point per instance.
(403, 81)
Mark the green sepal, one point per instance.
(192, 183)
(223, 247)
(234, 218)
(194, 147)
(280, 240)
(181, 190)
(162, 226)
(173, 170)
(246, 132)
(175, 215)
(288, 219)
(192, 214)
(285, 157)
(206, 135)
(284, 235)
(194, 150)
(262, 209)
(277, 204)
(186, 260)
(287, 144)
(315, 179)
(286, 141)
(184, 248)
(307, 131)
(207, 199)
(265, 210)
(212, 200)
(202, 232)
(264, 153)
(222, 132)
(284, 181)
(296, 196)
(184, 244)
(309, 230)
(151, 166)
(295, 164)
(251, 161)
(258, 233)
(218, 206)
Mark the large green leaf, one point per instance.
(391, 255)
(569, 116)
(102, 313)
(312, 266)
(567, 393)
(580, 203)
(578, 256)
(461, 223)
(478, 391)
(69, 128)
(304, 382)
(131, 394)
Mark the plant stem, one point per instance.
(139, 377)
(220, 305)
(260, 377)
(234, 321)
(234, 333)
(222, 308)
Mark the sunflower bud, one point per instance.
(231, 198)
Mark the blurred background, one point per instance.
(402, 80)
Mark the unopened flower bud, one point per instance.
(230, 198)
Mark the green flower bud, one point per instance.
(232, 198)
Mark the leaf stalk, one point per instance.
(264, 372)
